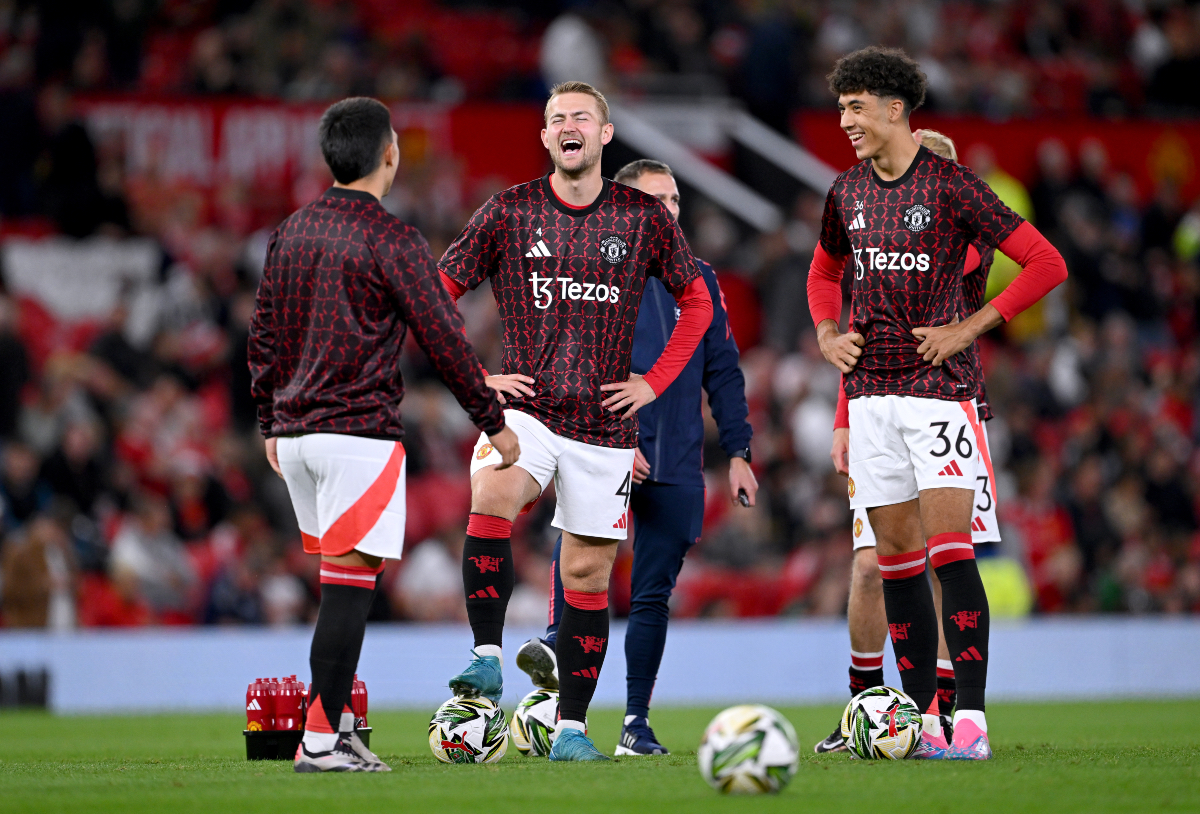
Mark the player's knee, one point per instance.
(865, 572)
(493, 494)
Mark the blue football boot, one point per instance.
(571, 744)
(482, 677)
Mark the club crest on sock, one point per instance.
(966, 619)
(899, 631)
(590, 644)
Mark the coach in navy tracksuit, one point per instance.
(668, 496)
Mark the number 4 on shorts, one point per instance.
(623, 490)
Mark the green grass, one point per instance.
(1082, 757)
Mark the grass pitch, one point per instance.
(1080, 757)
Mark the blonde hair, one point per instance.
(939, 143)
(578, 87)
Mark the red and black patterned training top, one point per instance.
(568, 284)
(343, 282)
(908, 239)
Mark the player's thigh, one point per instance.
(585, 562)
(302, 489)
(513, 490)
(897, 528)
(667, 521)
(985, 526)
(360, 493)
(593, 486)
(881, 472)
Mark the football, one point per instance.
(533, 722)
(468, 730)
(749, 749)
(881, 724)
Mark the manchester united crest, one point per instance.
(614, 250)
(917, 218)
(850, 487)
(483, 452)
(858, 527)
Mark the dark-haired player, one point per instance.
(667, 505)
(343, 282)
(906, 217)
(865, 615)
(567, 256)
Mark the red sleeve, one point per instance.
(695, 315)
(841, 418)
(972, 261)
(825, 286)
(455, 288)
(1042, 268)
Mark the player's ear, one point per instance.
(895, 110)
(545, 141)
(606, 133)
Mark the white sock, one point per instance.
(319, 741)
(490, 650)
(631, 718)
(565, 724)
(975, 716)
(346, 723)
(932, 724)
(945, 664)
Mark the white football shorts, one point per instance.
(900, 445)
(984, 527)
(347, 491)
(592, 483)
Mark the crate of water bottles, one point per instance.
(276, 709)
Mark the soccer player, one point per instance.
(865, 613)
(668, 475)
(568, 255)
(343, 282)
(906, 216)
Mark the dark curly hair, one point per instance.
(885, 72)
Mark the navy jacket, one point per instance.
(672, 426)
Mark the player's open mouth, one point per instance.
(855, 138)
(571, 146)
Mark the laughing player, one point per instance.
(907, 216)
(668, 475)
(568, 256)
(343, 282)
(865, 615)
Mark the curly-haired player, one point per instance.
(907, 216)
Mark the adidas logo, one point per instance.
(539, 250)
(587, 672)
(904, 664)
(486, 593)
(859, 222)
(951, 469)
(253, 705)
(623, 523)
(970, 654)
(977, 524)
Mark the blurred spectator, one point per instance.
(14, 369)
(146, 553)
(39, 573)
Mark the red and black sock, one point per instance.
(346, 595)
(912, 624)
(866, 671)
(965, 617)
(580, 647)
(488, 576)
(946, 688)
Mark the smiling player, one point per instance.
(567, 255)
(907, 216)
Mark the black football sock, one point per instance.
(346, 595)
(865, 679)
(580, 647)
(946, 688)
(966, 620)
(912, 624)
(488, 576)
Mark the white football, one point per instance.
(534, 722)
(468, 730)
(749, 749)
(881, 724)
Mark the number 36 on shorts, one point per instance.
(900, 445)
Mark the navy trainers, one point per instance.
(637, 738)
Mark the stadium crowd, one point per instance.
(133, 488)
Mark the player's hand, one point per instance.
(939, 344)
(641, 467)
(273, 455)
(513, 383)
(633, 394)
(842, 350)
(840, 453)
(507, 445)
(741, 479)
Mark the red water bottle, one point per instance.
(287, 705)
(257, 717)
(303, 702)
(272, 696)
(358, 703)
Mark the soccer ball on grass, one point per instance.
(534, 722)
(749, 749)
(881, 724)
(468, 730)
